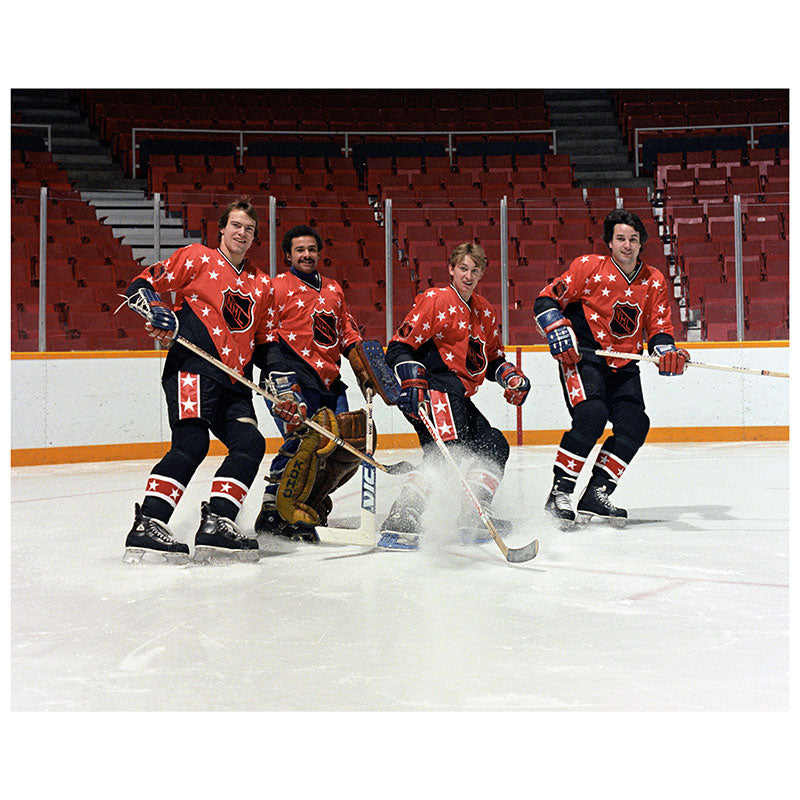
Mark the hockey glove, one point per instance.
(560, 336)
(516, 385)
(290, 406)
(162, 322)
(413, 387)
(671, 361)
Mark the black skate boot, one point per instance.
(269, 521)
(560, 506)
(595, 503)
(400, 530)
(151, 540)
(218, 539)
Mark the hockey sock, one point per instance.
(570, 458)
(238, 470)
(612, 461)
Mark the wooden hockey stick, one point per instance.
(724, 368)
(393, 469)
(364, 534)
(513, 555)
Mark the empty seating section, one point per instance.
(439, 200)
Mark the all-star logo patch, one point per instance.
(237, 309)
(404, 330)
(324, 327)
(476, 356)
(625, 319)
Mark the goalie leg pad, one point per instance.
(300, 474)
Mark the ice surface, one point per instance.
(686, 609)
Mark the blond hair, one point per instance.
(477, 253)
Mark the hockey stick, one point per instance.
(724, 368)
(364, 534)
(513, 555)
(393, 469)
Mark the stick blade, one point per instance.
(520, 554)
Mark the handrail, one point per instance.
(450, 149)
(750, 125)
(48, 128)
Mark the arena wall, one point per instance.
(98, 406)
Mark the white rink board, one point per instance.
(95, 401)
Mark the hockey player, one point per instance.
(441, 353)
(210, 297)
(605, 302)
(310, 329)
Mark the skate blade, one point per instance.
(391, 540)
(206, 554)
(563, 524)
(614, 522)
(141, 555)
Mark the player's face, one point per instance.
(237, 235)
(465, 276)
(625, 247)
(304, 254)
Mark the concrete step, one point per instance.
(81, 160)
(588, 131)
(122, 199)
(143, 237)
(567, 119)
(585, 160)
(138, 216)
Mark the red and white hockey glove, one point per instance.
(290, 406)
(162, 322)
(516, 385)
(413, 387)
(560, 336)
(671, 360)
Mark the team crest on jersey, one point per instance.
(324, 328)
(625, 319)
(476, 356)
(237, 309)
(560, 289)
(404, 330)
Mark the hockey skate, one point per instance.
(269, 521)
(560, 507)
(219, 540)
(471, 529)
(400, 530)
(595, 503)
(150, 540)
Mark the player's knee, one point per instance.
(632, 426)
(245, 439)
(589, 418)
(493, 445)
(191, 442)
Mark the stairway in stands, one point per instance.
(118, 201)
(587, 128)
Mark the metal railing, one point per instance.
(751, 126)
(346, 149)
(49, 128)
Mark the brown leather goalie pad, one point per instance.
(320, 466)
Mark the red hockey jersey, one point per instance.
(465, 335)
(315, 323)
(619, 310)
(230, 302)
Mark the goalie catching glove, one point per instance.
(162, 322)
(290, 406)
(516, 385)
(671, 360)
(371, 370)
(560, 336)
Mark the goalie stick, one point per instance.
(399, 468)
(364, 534)
(723, 367)
(512, 555)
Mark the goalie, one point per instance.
(312, 329)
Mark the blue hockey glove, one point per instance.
(516, 385)
(560, 336)
(413, 387)
(162, 322)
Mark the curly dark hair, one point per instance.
(296, 232)
(621, 216)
